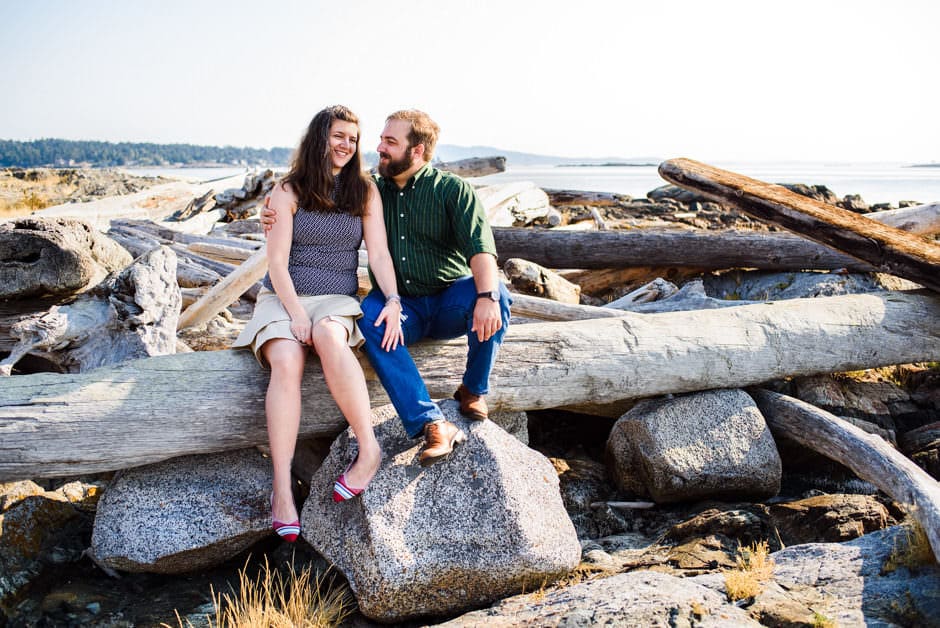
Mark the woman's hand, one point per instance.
(301, 327)
(391, 316)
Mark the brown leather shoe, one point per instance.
(439, 440)
(471, 406)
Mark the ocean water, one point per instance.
(875, 182)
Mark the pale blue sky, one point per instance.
(720, 80)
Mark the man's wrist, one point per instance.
(392, 298)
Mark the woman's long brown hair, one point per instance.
(311, 170)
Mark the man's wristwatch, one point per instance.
(492, 295)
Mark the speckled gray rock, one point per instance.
(516, 423)
(712, 444)
(846, 583)
(639, 598)
(484, 523)
(183, 514)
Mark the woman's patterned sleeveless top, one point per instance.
(324, 253)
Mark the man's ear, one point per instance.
(418, 151)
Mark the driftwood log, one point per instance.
(602, 280)
(226, 291)
(549, 310)
(920, 219)
(868, 455)
(132, 314)
(189, 273)
(704, 250)
(886, 248)
(579, 197)
(153, 409)
(474, 166)
(536, 280)
(519, 202)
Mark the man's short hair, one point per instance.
(424, 130)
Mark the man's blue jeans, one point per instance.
(447, 314)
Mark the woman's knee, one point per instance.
(329, 335)
(286, 357)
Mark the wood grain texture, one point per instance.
(677, 248)
(157, 408)
(887, 248)
(868, 455)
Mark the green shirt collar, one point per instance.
(423, 171)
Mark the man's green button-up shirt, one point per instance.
(435, 224)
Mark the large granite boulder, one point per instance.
(184, 514)
(484, 523)
(712, 444)
(54, 257)
(638, 598)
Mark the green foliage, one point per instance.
(55, 152)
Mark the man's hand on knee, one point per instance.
(487, 319)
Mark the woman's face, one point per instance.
(343, 143)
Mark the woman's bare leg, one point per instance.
(346, 382)
(282, 407)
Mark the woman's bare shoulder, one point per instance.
(283, 197)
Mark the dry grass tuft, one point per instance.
(821, 621)
(277, 600)
(754, 567)
(913, 550)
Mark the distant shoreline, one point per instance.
(609, 164)
(923, 166)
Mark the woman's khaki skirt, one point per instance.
(270, 320)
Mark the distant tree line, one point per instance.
(55, 152)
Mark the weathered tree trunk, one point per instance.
(579, 197)
(131, 315)
(601, 280)
(153, 409)
(886, 248)
(868, 455)
(920, 219)
(226, 291)
(168, 234)
(707, 250)
(474, 166)
(533, 279)
(510, 203)
(549, 310)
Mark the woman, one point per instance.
(309, 300)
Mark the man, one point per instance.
(445, 264)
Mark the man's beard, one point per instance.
(394, 167)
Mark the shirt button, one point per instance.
(407, 281)
(403, 259)
(401, 194)
(402, 215)
(403, 237)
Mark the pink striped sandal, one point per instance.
(287, 531)
(341, 488)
